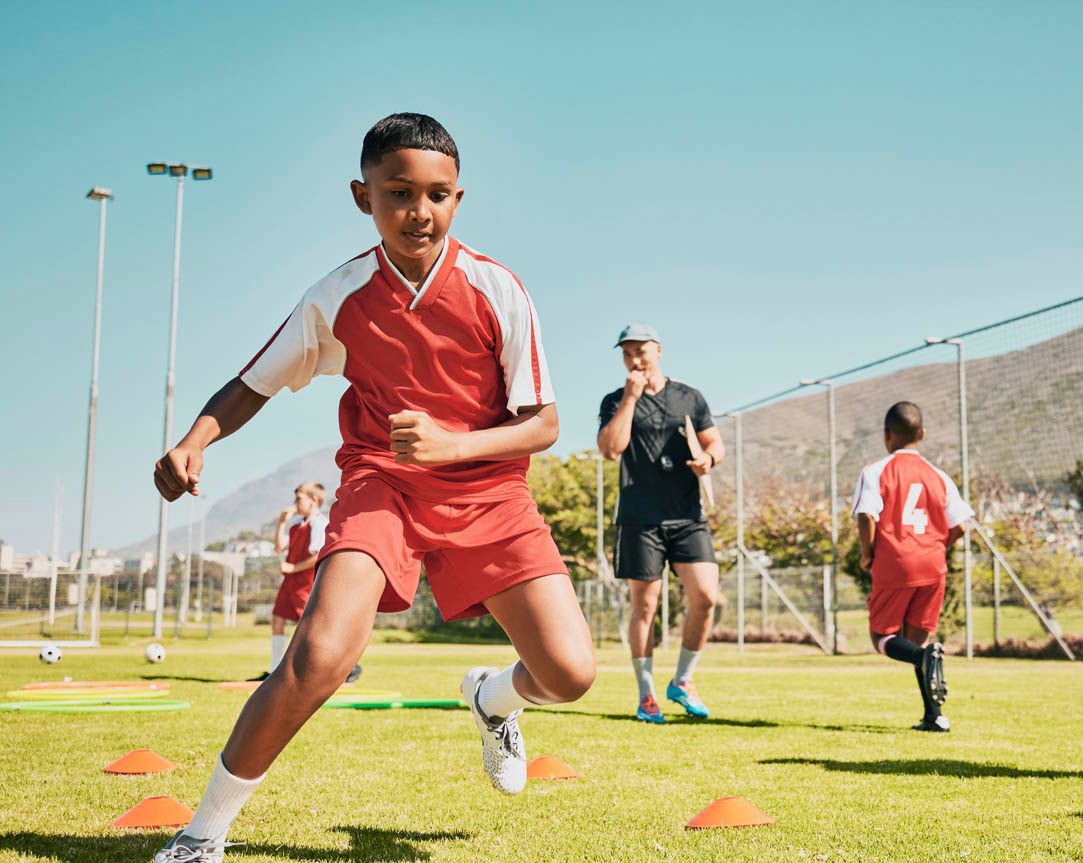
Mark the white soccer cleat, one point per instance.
(185, 849)
(503, 752)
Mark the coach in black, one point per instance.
(659, 516)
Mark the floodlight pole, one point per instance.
(103, 196)
(831, 616)
(167, 431)
(964, 466)
(179, 171)
(739, 468)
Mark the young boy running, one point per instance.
(909, 513)
(299, 532)
(448, 395)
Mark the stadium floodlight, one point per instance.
(180, 171)
(103, 196)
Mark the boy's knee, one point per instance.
(574, 683)
(569, 677)
(319, 662)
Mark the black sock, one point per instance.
(932, 709)
(904, 650)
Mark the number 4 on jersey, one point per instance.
(911, 515)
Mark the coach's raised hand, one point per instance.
(416, 438)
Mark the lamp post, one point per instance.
(180, 171)
(831, 614)
(964, 466)
(103, 196)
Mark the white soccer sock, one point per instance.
(278, 650)
(686, 664)
(223, 799)
(498, 696)
(644, 669)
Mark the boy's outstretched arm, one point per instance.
(866, 533)
(230, 408)
(416, 438)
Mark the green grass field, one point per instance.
(821, 744)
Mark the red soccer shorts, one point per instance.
(919, 606)
(293, 594)
(470, 551)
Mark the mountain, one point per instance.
(255, 503)
(1025, 409)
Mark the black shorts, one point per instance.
(643, 549)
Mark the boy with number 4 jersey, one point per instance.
(909, 513)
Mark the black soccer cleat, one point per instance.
(940, 724)
(932, 670)
(259, 678)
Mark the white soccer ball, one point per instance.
(50, 654)
(154, 652)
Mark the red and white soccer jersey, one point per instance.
(464, 348)
(306, 540)
(915, 505)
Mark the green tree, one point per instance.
(1074, 480)
(566, 496)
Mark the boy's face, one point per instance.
(305, 503)
(412, 196)
(641, 356)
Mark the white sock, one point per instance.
(278, 650)
(644, 669)
(498, 696)
(223, 799)
(686, 664)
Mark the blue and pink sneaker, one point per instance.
(685, 695)
(649, 711)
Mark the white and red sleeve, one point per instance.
(956, 509)
(305, 344)
(526, 373)
(317, 532)
(867, 498)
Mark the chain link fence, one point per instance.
(1003, 409)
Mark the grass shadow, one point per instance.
(726, 721)
(367, 845)
(185, 678)
(930, 767)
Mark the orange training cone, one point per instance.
(548, 767)
(155, 812)
(730, 812)
(141, 761)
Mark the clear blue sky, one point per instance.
(783, 189)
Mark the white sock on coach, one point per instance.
(644, 669)
(278, 650)
(686, 664)
(223, 799)
(498, 696)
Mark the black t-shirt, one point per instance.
(649, 492)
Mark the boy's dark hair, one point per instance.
(904, 421)
(406, 132)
